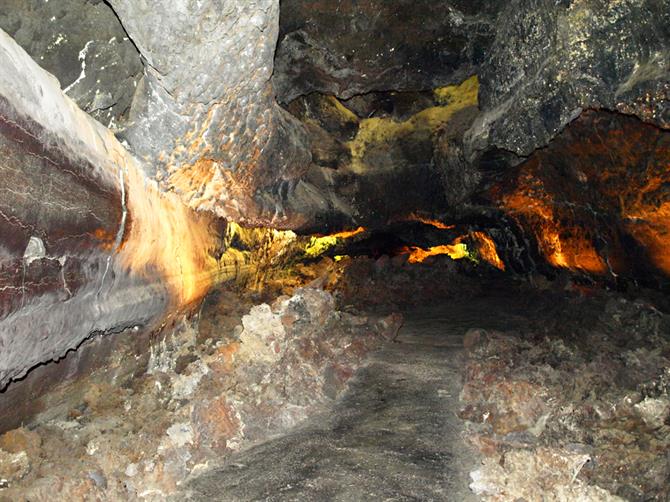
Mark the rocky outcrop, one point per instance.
(576, 404)
(390, 154)
(539, 63)
(551, 60)
(83, 44)
(204, 118)
(596, 200)
(129, 433)
(88, 244)
(349, 47)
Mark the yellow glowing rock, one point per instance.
(454, 251)
(377, 131)
(319, 245)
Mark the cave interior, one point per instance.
(335, 250)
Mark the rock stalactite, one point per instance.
(204, 118)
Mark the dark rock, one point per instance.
(551, 60)
(459, 178)
(595, 200)
(348, 47)
(399, 105)
(393, 161)
(83, 44)
(326, 150)
(327, 112)
(76, 228)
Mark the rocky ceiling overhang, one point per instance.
(116, 217)
(191, 88)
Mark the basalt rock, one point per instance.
(379, 156)
(576, 403)
(596, 200)
(89, 246)
(348, 47)
(133, 435)
(551, 60)
(204, 117)
(83, 44)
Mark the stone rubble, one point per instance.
(574, 408)
(141, 438)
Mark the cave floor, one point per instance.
(394, 435)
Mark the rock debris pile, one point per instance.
(577, 407)
(114, 437)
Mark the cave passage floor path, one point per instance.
(393, 435)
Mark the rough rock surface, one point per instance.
(551, 60)
(394, 152)
(204, 118)
(392, 436)
(574, 403)
(88, 244)
(596, 200)
(350, 47)
(83, 44)
(540, 63)
(126, 434)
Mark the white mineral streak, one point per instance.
(82, 75)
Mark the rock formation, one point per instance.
(551, 60)
(204, 118)
(88, 243)
(348, 48)
(390, 112)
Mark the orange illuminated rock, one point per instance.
(562, 246)
(486, 249)
(429, 221)
(596, 199)
(109, 251)
(347, 233)
(216, 423)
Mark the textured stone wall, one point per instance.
(352, 47)
(551, 60)
(596, 200)
(187, 87)
(83, 44)
(204, 119)
(88, 245)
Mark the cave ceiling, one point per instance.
(200, 108)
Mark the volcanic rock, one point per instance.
(83, 44)
(551, 60)
(347, 47)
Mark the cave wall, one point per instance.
(195, 106)
(596, 200)
(204, 119)
(89, 245)
(551, 60)
(83, 44)
(101, 233)
(349, 47)
(388, 108)
(388, 155)
(539, 62)
(592, 203)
